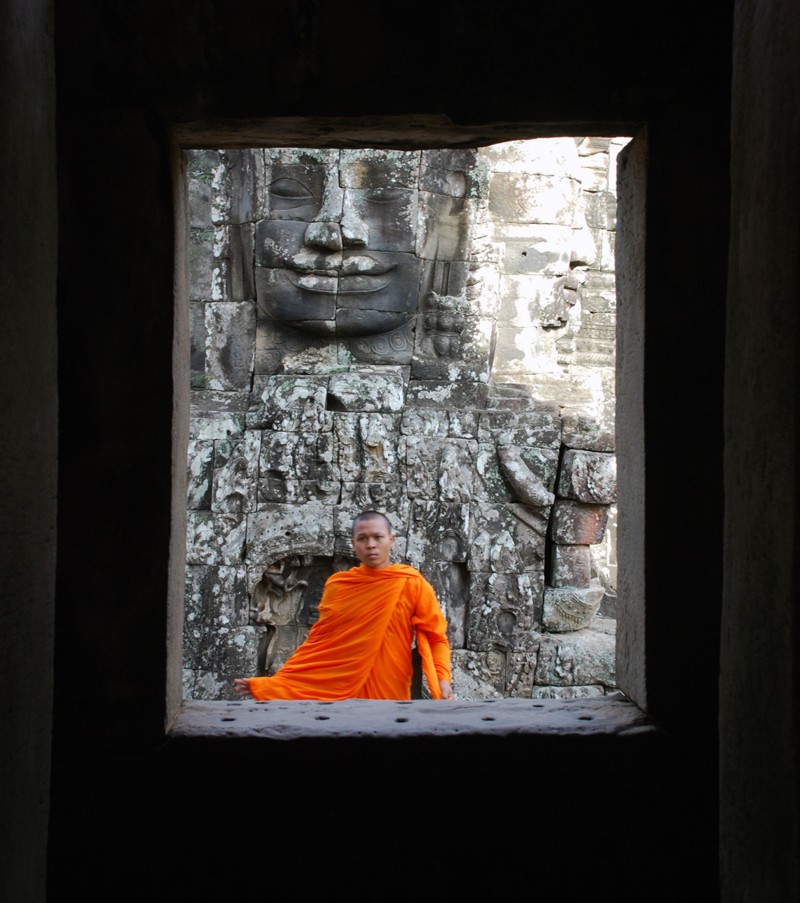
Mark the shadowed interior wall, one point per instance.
(28, 415)
(759, 707)
(125, 77)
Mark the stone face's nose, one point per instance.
(327, 236)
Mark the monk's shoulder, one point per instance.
(405, 570)
(346, 576)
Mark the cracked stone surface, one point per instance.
(421, 332)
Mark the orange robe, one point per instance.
(360, 648)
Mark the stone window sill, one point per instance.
(284, 720)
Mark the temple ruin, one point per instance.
(428, 333)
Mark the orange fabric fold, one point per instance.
(361, 645)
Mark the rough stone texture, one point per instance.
(578, 524)
(588, 477)
(402, 330)
(570, 609)
(287, 721)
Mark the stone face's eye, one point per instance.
(384, 195)
(290, 190)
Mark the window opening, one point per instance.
(429, 333)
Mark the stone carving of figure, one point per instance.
(349, 244)
(387, 374)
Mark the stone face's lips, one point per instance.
(356, 275)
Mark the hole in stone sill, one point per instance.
(401, 720)
(585, 718)
(487, 718)
(322, 718)
(228, 719)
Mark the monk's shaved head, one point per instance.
(372, 515)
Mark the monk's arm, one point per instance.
(433, 622)
(251, 686)
(242, 686)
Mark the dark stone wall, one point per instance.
(760, 680)
(134, 813)
(127, 74)
(28, 417)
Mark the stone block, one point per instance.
(443, 227)
(546, 252)
(568, 692)
(523, 295)
(201, 263)
(379, 168)
(217, 635)
(527, 428)
(426, 423)
(389, 498)
(228, 273)
(369, 447)
(588, 477)
(584, 658)
(280, 350)
(298, 466)
(197, 344)
(577, 524)
(552, 156)
(199, 474)
(507, 539)
(452, 172)
(213, 538)
(279, 531)
(490, 484)
(230, 341)
(200, 174)
(587, 433)
(217, 415)
(274, 490)
(521, 673)
(368, 391)
(472, 678)
(522, 350)
(450, 342)
(390, 215)
(484, 673)
(440, 469)
(235, 474)
(504, 610)
(238, 186)
(600, 208)
(432, 393)
(531, 198)
(567, 609)
(529, 473)
(293, 404)
(570, 566)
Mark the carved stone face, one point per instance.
(336, 257)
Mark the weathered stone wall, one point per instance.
(427, 333)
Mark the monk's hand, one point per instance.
(446, 688)
(242, 686)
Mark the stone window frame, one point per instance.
(623, 714)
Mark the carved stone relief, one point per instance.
(403, 331)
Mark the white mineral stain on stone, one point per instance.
(217, 293)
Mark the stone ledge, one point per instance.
(292, 720)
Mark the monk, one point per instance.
(360, 648)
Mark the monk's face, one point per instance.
(372, 542)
